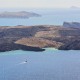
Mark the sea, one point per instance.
(51, 64)
(48, 17)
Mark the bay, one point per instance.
(48, 65)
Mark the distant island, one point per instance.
(36, 38)
(21, 14)
(74, 7)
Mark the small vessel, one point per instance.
(26, 61)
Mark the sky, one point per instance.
(38, 3)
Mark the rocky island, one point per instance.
(71, 24)
(36, 38)
(21, 14)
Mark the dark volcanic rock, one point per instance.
(12, 46)
(71, 24)
(20, 31)
(71, 45)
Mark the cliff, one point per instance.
(21, 14)
(35, 38)
(71, 24)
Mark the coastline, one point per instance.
(35, 38)
(52, 49)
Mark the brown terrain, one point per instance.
(35, 38)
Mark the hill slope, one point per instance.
(37, 37)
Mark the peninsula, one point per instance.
(36, 38)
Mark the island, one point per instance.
(39, 37)
(21, 14)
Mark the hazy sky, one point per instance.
(38, 3)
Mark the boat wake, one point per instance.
(22, 63)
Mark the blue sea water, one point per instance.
(48, 65)
(48, 17)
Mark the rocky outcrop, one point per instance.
(35, 38)
(22, 14)
(71, 24)
(71, 45)
(12, 46)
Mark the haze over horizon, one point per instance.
(38, 3)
